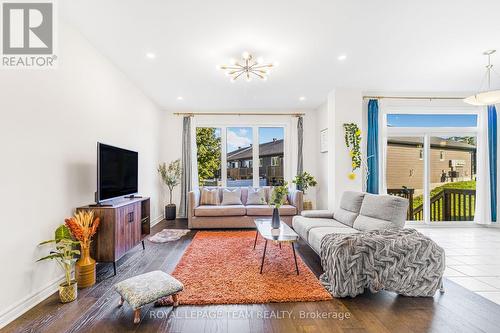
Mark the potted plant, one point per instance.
(64, 254)
(83, 226)
(171, 176)
(303, 181)
(278, 198)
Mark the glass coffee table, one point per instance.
(284, 234)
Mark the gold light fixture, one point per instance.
(248, 67)
(487, 97)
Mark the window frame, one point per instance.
(224, 126)
(416, 108)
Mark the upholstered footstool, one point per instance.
(147, 288)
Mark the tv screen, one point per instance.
(116, 172)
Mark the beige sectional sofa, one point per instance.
(238, 216)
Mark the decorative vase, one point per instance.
(170, 212)
(308, 205)
(68, 293)
(85, 267)
(275, 222)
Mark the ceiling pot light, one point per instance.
(342, 57)
(150, 55)
(302, 98)
(488, 96)
(180, 98)
(247, 68)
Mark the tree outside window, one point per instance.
(208, 143)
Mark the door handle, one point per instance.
(130, 217)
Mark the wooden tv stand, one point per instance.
(124, 224)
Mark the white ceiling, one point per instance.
(391, 45)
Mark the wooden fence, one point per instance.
(447, 205)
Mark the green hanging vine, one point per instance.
(352, 136)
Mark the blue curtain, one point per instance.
(492, 145)
(372, 147)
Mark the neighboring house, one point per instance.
(240, 163)
(449, 161)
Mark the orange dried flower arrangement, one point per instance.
(83, 226)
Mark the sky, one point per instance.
(243, 136)
(431, 120)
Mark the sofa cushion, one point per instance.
(326, 214)
(256, 196)
(350, 205)
(231, 197)
(264, 210)
(380, 212)
(352, 201)
(366, 223)
(233, 210)
(345, 217)
(302, 225)
(209, 196)
(316, 235)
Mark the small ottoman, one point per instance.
(147, 288)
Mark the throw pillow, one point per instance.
(256, 196)
(231, 197)
(209, 197)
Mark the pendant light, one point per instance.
(487, 97)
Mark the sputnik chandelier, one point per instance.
(247, 68)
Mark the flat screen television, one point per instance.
(117, 170)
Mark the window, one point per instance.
(208, 143)
(239, 150)
(431, 159)
(405, 173)
(240, 145)
(452, 180)
(431, 120)
(271, 146)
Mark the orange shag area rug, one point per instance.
(221, 267)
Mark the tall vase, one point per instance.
(275, 223)
(85, 267)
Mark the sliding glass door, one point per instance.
(405, 172)
(435, 166)
(452, 178)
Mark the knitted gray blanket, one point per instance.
(404, 261)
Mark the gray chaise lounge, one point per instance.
(358, 212)
(363, 245)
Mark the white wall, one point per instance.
(321, 158)
(348, 108)
(172, 131)
(342, 106)
(50, 121)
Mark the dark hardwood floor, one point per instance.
(458, 310)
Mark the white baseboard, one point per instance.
(156, 221)
(33, 299)
(19, 308)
